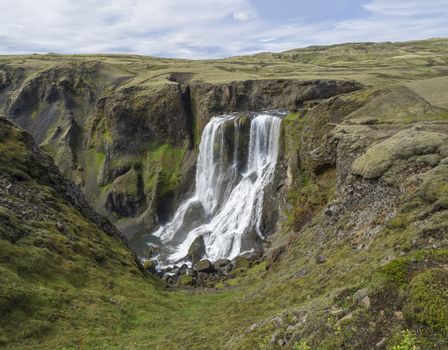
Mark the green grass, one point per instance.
(368, 63)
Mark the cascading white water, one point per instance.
(228, 197)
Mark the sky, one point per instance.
(210, 28)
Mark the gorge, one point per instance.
(321, 173)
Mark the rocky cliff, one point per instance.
(132, 148)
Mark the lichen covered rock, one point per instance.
(402, 146)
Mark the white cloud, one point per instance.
(241, 16)
(200, 28)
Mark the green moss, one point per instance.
(302, 345)
(98, 160)
(240, 262)
(379, 158)
(400, 221)
(405, 340)
(162, 168)
(7, 217)
(395, 272)
(310, 196)
(292, 117)
(150, 265)
(427, 300)
(95, 161)
(435, 186)
(13, 159)
(185, 280)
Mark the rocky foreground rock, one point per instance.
(203, 273)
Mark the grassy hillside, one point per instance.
(368, 63)
(360, 257)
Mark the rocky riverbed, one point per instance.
(203, 273)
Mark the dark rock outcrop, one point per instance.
(204, 266)
(254, 95)
(196, 250)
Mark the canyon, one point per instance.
(319, 173)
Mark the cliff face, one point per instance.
(132, 148)
(254, 95)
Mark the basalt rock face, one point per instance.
(253, 95)
(132, 148)
(124, 147)
(138, 117)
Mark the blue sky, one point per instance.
(210, 28)
(310, 10)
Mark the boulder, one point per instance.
(366, 302)
(196, 250)
(168, 279)
(240, 262)
(226, 269)
(191, 272)
(221, 264)
(360, 295)
(151, 251)
(185, 280)
(182, 270)
(204, 266)
(320, 259)
(203, 275)
(277, 322)
(404, 145)
(150, 265)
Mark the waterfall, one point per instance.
(231, 179)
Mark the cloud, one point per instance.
(200, 28)
(241, 16)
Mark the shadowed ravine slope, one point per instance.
(359, 257)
